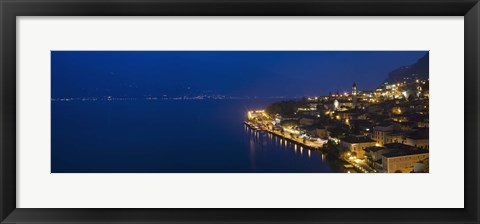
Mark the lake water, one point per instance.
(170, 136)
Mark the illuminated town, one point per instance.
(240, 112)
(384, 130)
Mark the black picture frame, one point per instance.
(10, 9)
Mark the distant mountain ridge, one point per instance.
(418, 70)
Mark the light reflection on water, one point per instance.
(265, 147)
(170, 137)
(252, 154)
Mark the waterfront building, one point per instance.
(322, 132)
(374, 156)
(356, 144)
(386, 133)
(402, 160)
(418, 139)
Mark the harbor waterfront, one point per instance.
(308, 145)
(342, 164)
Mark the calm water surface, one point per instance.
(197, 136)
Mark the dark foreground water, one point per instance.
(205, 136)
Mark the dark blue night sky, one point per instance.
(231, 73)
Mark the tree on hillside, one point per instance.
(285, 107)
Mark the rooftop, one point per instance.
(356, 139)
(385, 124)
(374, 149)
(405, 153)
(399, 146)
(419, 134)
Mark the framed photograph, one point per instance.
(239, 111)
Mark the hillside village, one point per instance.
(381, 130)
